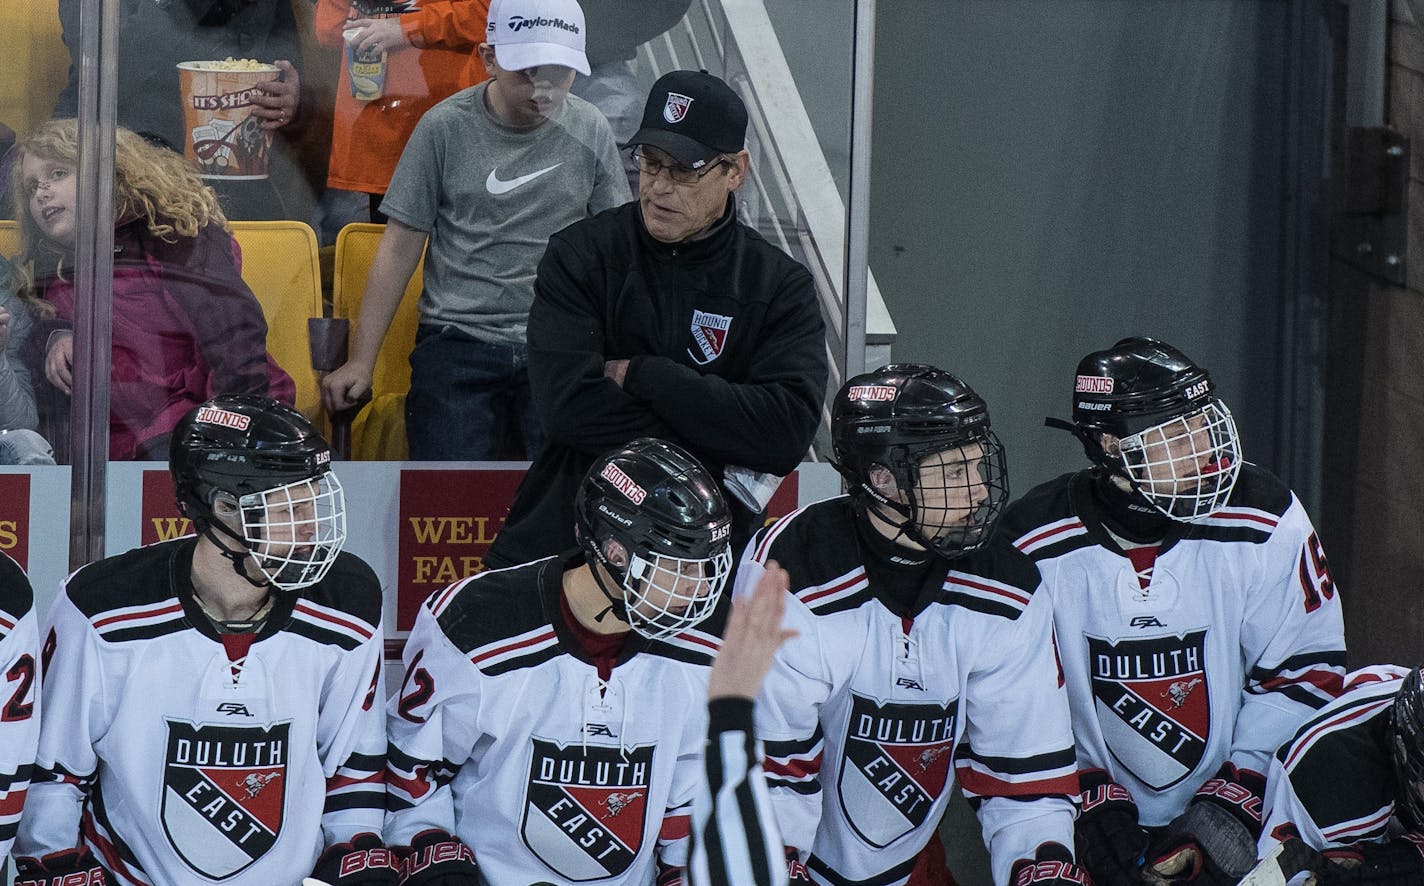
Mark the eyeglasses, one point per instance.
(683, 175)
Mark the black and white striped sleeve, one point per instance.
(735, 840)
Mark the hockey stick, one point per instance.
(1288, 859)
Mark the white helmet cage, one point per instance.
(666, 595)
(1185, 467)
(294, 532)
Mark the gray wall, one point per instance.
(1051, 176)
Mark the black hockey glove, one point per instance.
(1052, 865)
(68, 867)
(361, 861)
(1398, 862)
(1108, 839)
(1214, 841)
(434, 858)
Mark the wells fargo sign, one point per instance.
(15, 517)
(160, 518)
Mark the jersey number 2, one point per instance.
(20, 705)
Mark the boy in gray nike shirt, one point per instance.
(488, 174)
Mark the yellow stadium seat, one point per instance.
(378, 432)
(9, 238)
(279, 264)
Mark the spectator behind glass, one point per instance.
(185, 325)
(430, 55)
(155, 35)
(615, 31)
(20, 443)
(489, 174)
(667, 317)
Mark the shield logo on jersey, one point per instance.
(709, 333)
(585, 807)
(1152, 702)
(675, 108)
(895, 767)
(224, 788)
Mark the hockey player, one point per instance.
(1194, 612)
(1350, 784)
(19, 697)
(212, 702)
(911, 664)
(552, 715)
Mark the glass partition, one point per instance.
(253, 152)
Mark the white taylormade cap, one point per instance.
(530, 33)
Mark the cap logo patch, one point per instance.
(623, 483)
(212, 415)
(676, 107)
(881, 393)
(1093, 384)
(518, 23)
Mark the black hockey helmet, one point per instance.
(1153, 398)
(898, 416)
(265, 467)
(1406, 721)
(668, 513)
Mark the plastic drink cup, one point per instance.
(367, 70)
(221, 134)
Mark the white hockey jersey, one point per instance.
(866, 716)
(1333, 784)
(503, 734)
(1235, 639)
(177, 762)
(19, 695)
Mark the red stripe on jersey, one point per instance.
(441, 598)
(510, 647)
(676, 827)
(1244, 515)
(112, 860)
(336, 782)
(415, 787)
(985, 785)
(793, 767)
(1339, 720)
(701, 640)
(1017, 597)
(1328, 682)
(6, 623)
(13, 803)
(1023, 544)
(354, 627)
(169, 609)
(765, 547)
(854, 578)
(1363, 827)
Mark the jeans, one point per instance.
(466, 396)
(24, 447)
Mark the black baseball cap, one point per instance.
(694, 116)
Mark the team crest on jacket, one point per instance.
(675, 108)
(223, 793)
(709, 333)
(585, 807)
(1151, 696)
(896, 764)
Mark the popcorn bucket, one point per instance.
(222, 135)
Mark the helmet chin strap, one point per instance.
(239, 558)
(616, 604)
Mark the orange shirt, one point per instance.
(367, 137)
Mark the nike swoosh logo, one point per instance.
(494, 185)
